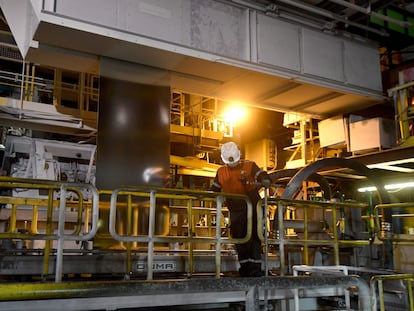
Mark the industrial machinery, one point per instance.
(117, 214)
(320, 248)
(98, 224)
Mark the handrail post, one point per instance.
(129, 231)
(13, 219)
(305, 236)
(60, 234)
(280, 208)
(263, 227)
(335, 235)
(151, 225)
(35, 219)
(49, 220)
(252, 299)
(381, 295)
(190, 237)
(410, 294)
(219, 205)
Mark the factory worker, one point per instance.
(239, 176)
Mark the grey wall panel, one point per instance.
(362, 65)
(322, 55)
(219, 28)
(102, 12)
(164, 20)
(224, 32)
(206, 25)
(278, 43)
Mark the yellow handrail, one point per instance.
(53, 211)
(282, 241)
(387, 234)
(154, 194)
(379, 279)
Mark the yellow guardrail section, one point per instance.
(282, 206)
(51, 214)
(188, 196)
(49, 210)
(378, 281)
(385, 233)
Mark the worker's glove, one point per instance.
(266, 182)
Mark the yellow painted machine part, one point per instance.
(27, 291)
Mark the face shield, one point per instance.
(230, 154)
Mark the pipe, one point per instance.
(296, 182)
(373, 14)
(331, 15)
(322, 181)
(312, 9)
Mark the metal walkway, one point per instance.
(139, 294)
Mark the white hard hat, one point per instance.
(230, 153)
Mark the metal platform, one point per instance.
(205, 292)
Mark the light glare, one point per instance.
(389, 187)
(234, 115)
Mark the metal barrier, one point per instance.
(282, 224)
(324, 270)
(136, 294)
(47, 209)
(386, 233)
(384, 230)
(54, 207)
(85, 223)
(190, 196)
(378, 280)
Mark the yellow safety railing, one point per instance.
(46, 216)
(385, 231)
(378, 281)
(283, 224)
(191, 197)
(48, 209)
